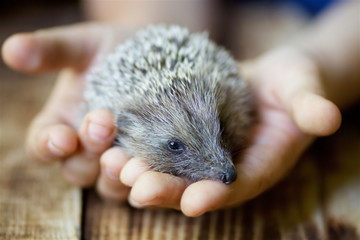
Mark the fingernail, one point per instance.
(54, 149)
(112, 174)
(153, 202)
(136, 204)
(98, 132)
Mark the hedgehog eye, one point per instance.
(176, 146)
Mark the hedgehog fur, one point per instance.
(178, 102)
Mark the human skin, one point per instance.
(295, 88)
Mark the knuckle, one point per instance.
(79, 181)
(108, 193)
(34, 151)
(80, 171)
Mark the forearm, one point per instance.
(334, 42)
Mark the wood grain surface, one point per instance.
(319, 199)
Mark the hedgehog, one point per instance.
(178, 102)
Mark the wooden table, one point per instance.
(320, 199)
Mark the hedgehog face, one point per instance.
(198, 164)
(177, 138)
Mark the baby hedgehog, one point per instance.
(178, 102)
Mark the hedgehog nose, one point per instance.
(229, 176)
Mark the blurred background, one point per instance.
(324, 185)
(247, 27)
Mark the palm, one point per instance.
(275, 146)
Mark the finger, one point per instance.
(273, 152)
(81, 170)
(96, 134)
(52, 49)
(132, 171)
(48, 140)
(51, 135)
(108, 184)
(303, 99)
(314, 114)
(295, 81)
(154, 189)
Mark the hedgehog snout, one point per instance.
(219, 163)
(223, 169)
(229, 175)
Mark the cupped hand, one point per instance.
(60, 132)
(292, 110)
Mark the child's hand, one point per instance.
(291, 110)
(57, 133)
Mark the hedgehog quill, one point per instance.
(178, 102)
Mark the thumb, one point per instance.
(53, 49)
(303, 96)
(314, 114)
(293, 80)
